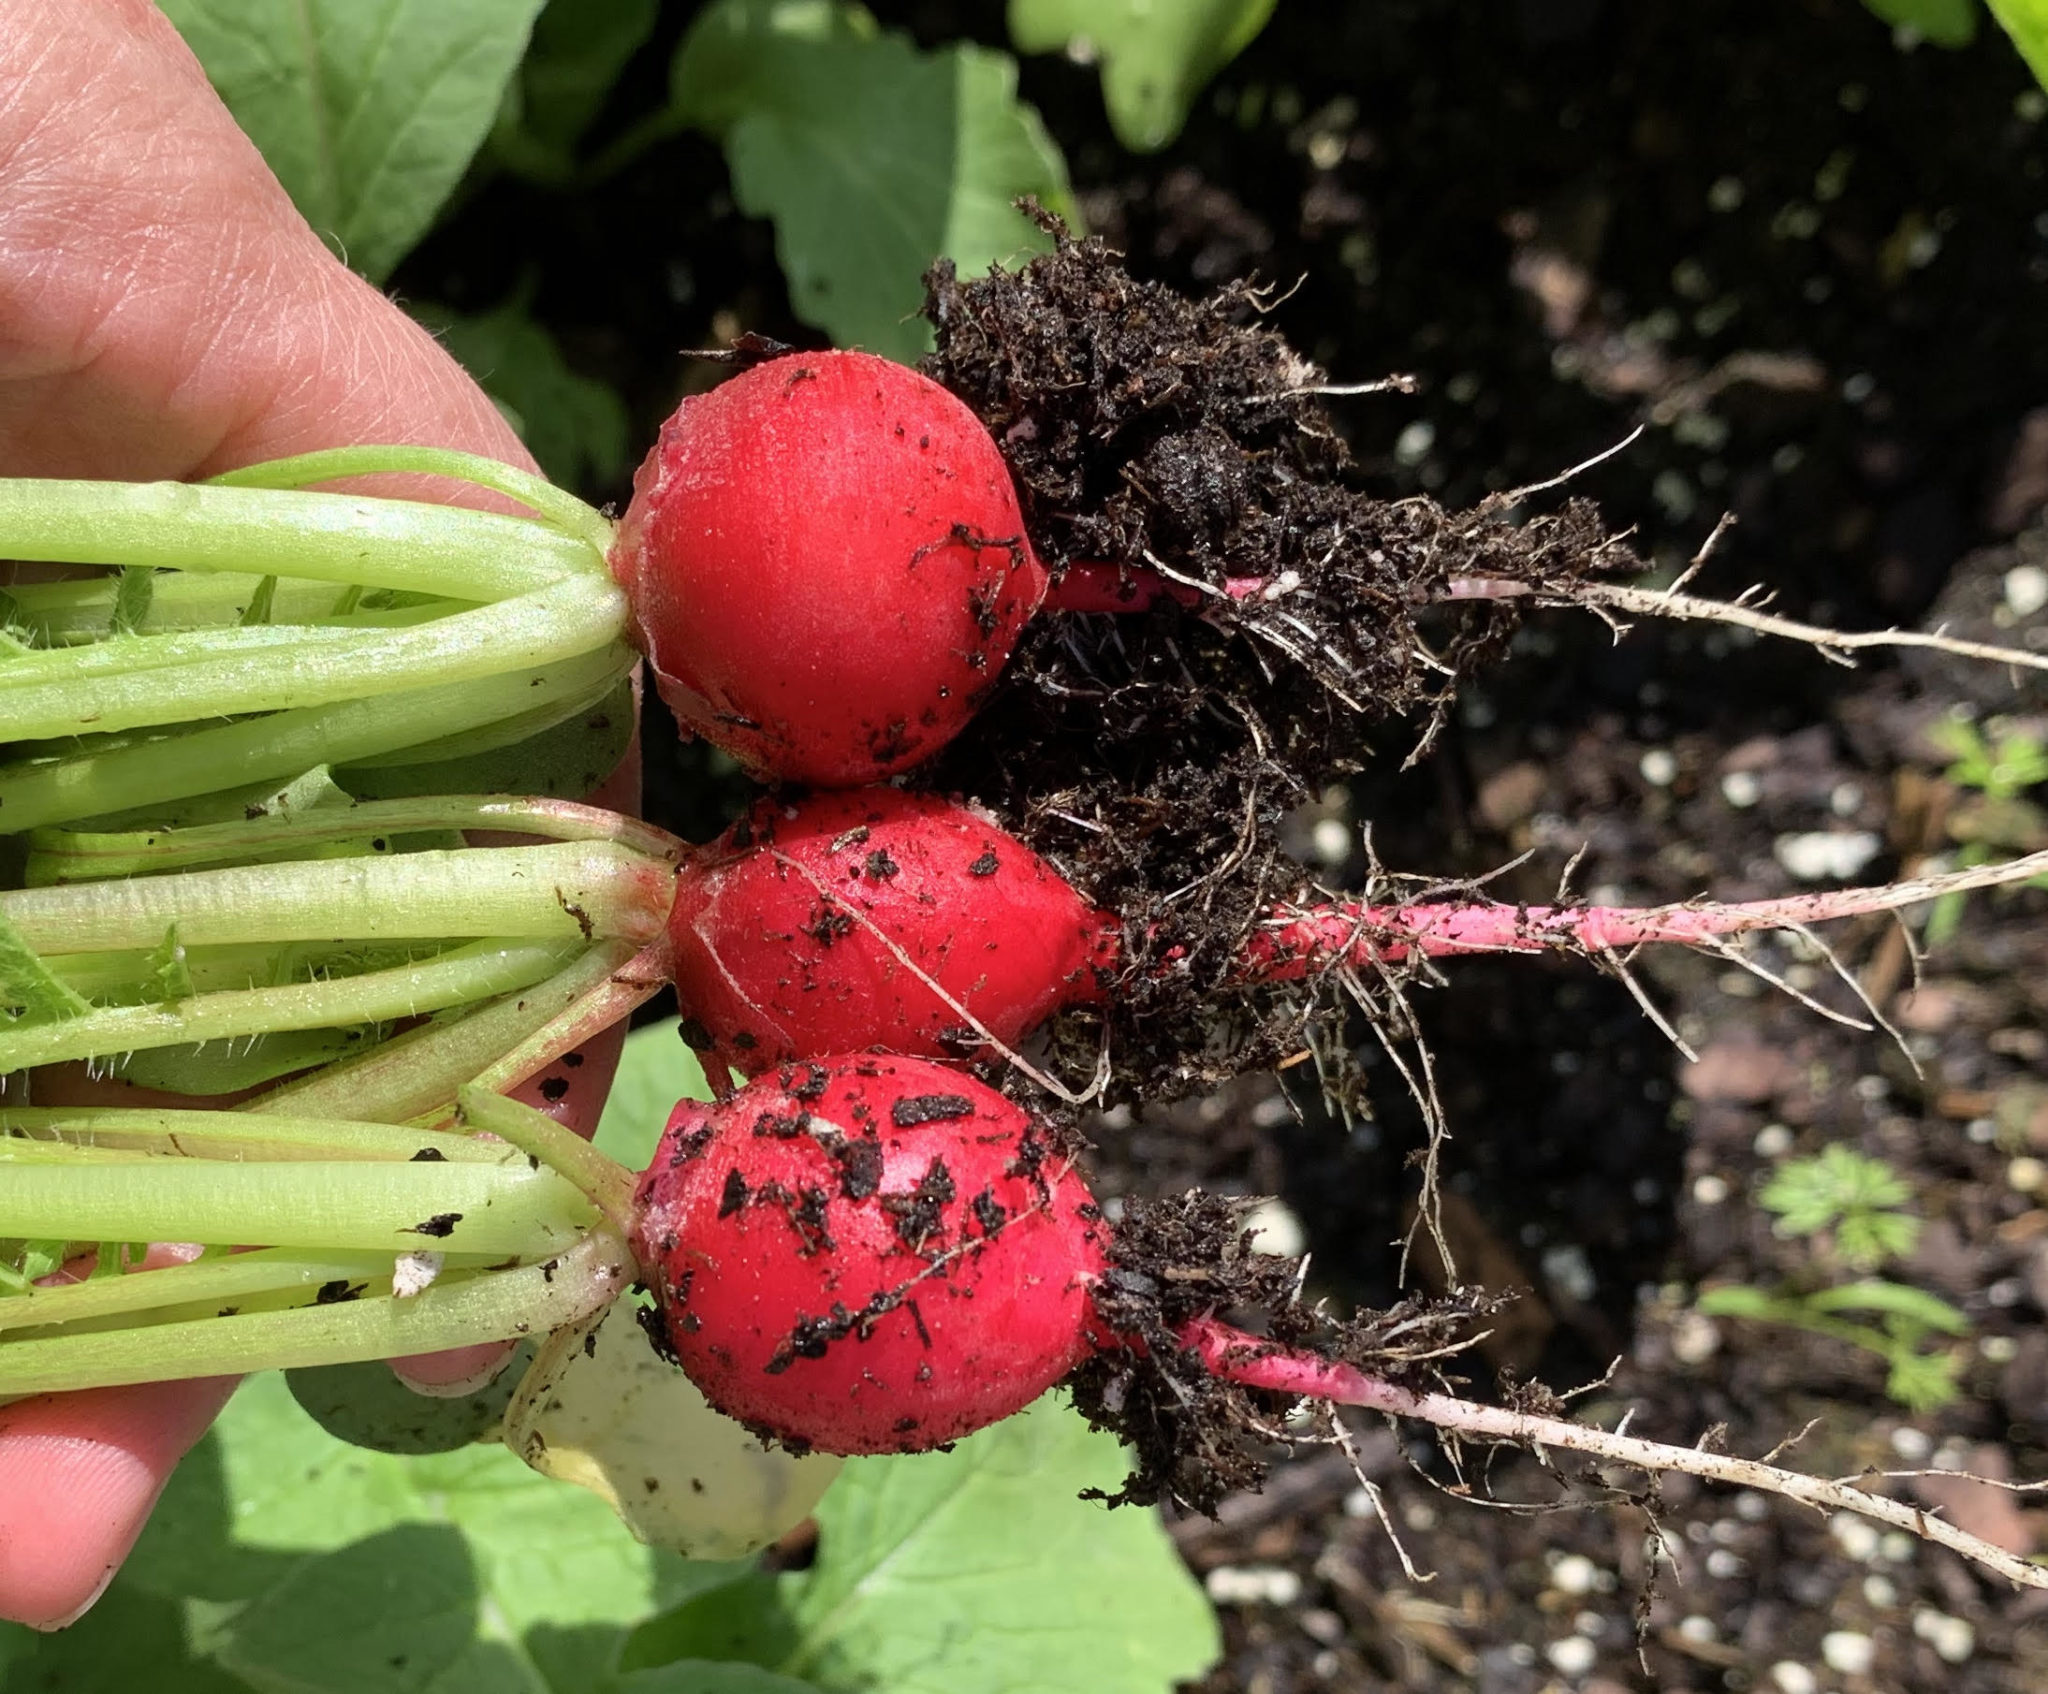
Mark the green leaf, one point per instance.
(873, 158)
(1922, 1382)
(698, 1676)
(131, 1640)
(655, 1071)
(1946, 23)
(1915, 1305)
(1810, 1194)
(579, 48)
(982, 1569)
(367, 110)
(30, 992)
(2026, 21)
(305, 1565)
(574, 425)
(1736, 1301)
(1867, 1239)
(1156, 55)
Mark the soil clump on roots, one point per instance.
(1191, 1437)
(1179, 451)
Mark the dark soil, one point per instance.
(1177, 443)
(1812, 264)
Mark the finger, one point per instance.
(78, 1476)
(164, 309)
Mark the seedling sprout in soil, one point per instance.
(1129, 453)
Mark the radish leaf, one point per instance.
(975, 1568)
(367, 110)
(1155, 54)
(873, 158)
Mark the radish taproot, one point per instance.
(868, 1254)
(827, 566)
(875, 918)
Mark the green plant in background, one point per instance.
(1852, 1207)
(1953, 23)
(1997, 771)
(870, 155)
(1155, 56)
(1853, 1199)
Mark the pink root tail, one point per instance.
(1295, 943)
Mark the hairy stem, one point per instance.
(227, 1136)
(77, 611)
(417, 1073)
(1295, 943)
(477, 972)
(405, 544)
(563, 510)
(150, 770)
(1237, 1357)
(622, 992)
(235, 1278)
(510, 1208)
(607, 1183)
(560, 891)
(454, 1312)
(58, 855)
(544, 627)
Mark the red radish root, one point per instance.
(827, 566)
(1295, 943)
(878, 919)
(868, 1255)
(821, 927)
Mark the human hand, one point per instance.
(166, 313)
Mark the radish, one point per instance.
(823, 927)
(795, 934)
(827, 566)
(963, 1315)
(868, 1255)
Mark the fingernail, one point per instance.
(91, 1600)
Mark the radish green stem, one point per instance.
(128, 655)
(80, 610)
(564, 511)
(75, 855)
(341, 538)
(455, 1312)
(235, 1277)
(476, 972)
(544, 627)
(510, 1209)
(418, 1072)
(607, 1183)
(128, 977)
(561, 890)
(42, 790)
(621, 992)
(221, 1135)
